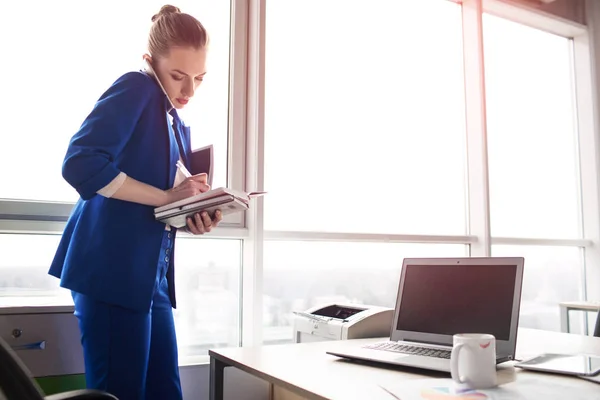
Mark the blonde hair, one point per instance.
(172, 28)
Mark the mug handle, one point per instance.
(454, 362)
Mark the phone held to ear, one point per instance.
(149, 64)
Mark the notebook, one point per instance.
(226, 200)
(202, 161)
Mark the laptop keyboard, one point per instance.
(408, 349)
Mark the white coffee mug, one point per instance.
(473, 360)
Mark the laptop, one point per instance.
(439, 297)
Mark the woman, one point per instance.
(114, 256)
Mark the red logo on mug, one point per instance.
(485, 346)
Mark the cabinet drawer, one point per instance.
(47, 343)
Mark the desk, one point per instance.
(305, 371)
(567, 306)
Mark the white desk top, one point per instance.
(306, 370)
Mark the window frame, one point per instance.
(36, 216)
(479, 238)
(584, 64)
(586, 71)
(49, 217)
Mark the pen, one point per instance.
(389, 392)
(183, 169)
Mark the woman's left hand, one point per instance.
(201, 222)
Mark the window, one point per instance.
(24, 279)
(533, 163)
(323, 272)
(359, 107)
(364, 118)
(364, 150)
(69, 55)
(534, 170)
(63, 62)
(551, 275)
(207, 283)
(208, 295)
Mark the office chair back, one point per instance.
(15, 378)
(16, 382)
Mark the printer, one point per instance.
(342, 321)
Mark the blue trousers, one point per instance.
(131, 354)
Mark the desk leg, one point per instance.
(564, 319)
(217, 374)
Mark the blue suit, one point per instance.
(113, 255)
(128, 130)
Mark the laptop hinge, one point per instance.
(425, 342)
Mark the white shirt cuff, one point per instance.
(114, 185)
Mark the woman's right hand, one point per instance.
(191, 186)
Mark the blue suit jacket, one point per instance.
(109, 248)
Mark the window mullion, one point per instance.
(477, 156)
(252, 274)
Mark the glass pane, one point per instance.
(208, 295)
(531, 132)
(24, 279)
(63, 64)
(551, 275)
(360, 113)
(323, 272)
(207, 284)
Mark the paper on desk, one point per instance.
(529, 387)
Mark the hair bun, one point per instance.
(166, 10)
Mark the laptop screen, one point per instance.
(450, 299)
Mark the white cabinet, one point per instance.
(45, 338)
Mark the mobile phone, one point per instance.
(158, 80)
